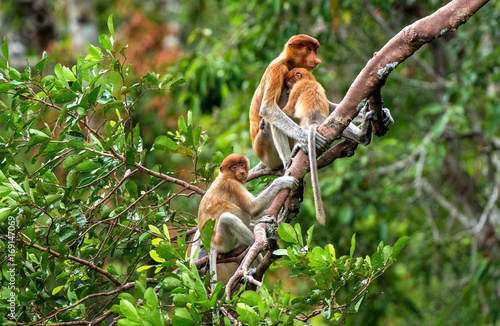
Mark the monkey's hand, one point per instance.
(287, 181)
(322, 144)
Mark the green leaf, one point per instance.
(94, 53)
(165, 79)
(37, 137)
(166, 250)
(182, 317)
(87, 166)
(251, 298)
(171, 283)
(287, 233)
(14, 74)
(399, 245)
(63, 96)
(163, 142)
(61, 74)
(166, 232)
(57, 289)
(387, 253)
(310, 235)
(151, 298)
(5, 49)
(106, 43)
(6, 86)
(127, 322)
(247, 314)
(112, 105)
(110, 26)
(72, 161)
(40, 64)
(353, 245)
(151, 79)
(177, 83)
(217, 158)
(356, 307)
(298, 231)
(206, 233)
(182, 124)
(140, 286)
(65, 233)
(129, 310)
(154, 229)
(4, 212)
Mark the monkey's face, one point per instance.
(240, 171)
(303, 49)
(235, 166)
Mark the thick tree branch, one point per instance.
(398, 49)
(373, 77)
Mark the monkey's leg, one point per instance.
(362, 134)
(230, 230)
(213, 268)
(195, 247)
(258, 167)
(281, 144)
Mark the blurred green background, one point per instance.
(435, 176)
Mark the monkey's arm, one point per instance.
(271, 112)
(264, 199)
(362, 134)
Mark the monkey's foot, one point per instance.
(265, 219)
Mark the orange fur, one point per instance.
(307, 102)
(227, 194)
(300, 51)
(233, 207)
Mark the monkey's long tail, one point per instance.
(313, 166)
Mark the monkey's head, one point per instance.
(301, 51)
(296, 74)
(235, 166)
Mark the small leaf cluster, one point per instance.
(339, 283)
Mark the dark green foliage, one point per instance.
(85, 221)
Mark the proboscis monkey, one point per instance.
(232, 206)
(270, 128)
(270, 140)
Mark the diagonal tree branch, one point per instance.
(374, 74)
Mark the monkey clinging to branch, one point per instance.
(232, 206)
(308, 106)
(270, 137)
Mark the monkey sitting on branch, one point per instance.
(270, 128)
(233, 207)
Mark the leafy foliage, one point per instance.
(86, 221)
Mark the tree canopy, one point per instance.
(105, 152)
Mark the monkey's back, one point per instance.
(270, 83)
(312, 105)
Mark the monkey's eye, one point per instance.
(309, 48)
(242, 164)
